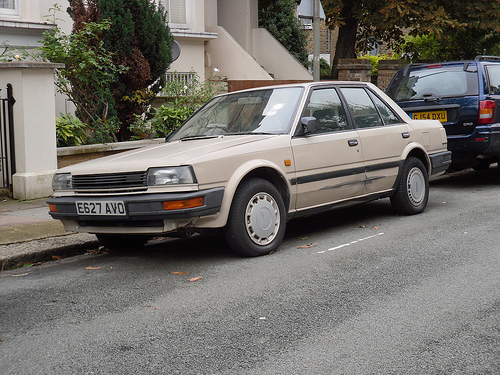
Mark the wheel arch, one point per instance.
(418, 152)
(268, 172)
(413, 151)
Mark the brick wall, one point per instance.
(386, 71)
(354, 70)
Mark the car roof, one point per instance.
(306, 85)
(477, 59)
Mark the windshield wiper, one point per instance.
(199, 136)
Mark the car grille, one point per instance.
(110, 181)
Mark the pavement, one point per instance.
(28, 234)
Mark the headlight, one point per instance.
(62, 181)
(171, 176)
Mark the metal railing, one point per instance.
(7, 156)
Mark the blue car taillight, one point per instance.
(486, 112)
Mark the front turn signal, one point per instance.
(183, 204)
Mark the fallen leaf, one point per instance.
(307, 246)
(146, 306)
(21, 274)
(362, 226)
(195, 278)
(93, 268)
(376, 228)
(56, 257)
(156, 308)
(179, 272)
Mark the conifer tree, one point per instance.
(278, 17)
(140, 40)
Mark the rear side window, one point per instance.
(493, 78)
(439, 82)
(362, 108)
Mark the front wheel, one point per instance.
(257, 220)
(412, 191)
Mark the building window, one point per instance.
(176, 12)
(9, 7)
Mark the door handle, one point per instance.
(405, 135)
(352, 142)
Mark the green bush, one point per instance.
(169, 117)
(70, 131)
(374, 59)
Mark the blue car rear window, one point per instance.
(444, 81)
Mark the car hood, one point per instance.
(174, 153)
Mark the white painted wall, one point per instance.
(34, 127)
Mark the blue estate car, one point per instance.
(465, 97)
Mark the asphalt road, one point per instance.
(355, 291)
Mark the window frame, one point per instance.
(7, 12)
(187, 9)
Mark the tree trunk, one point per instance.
(346, 42)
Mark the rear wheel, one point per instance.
(482, 165)
(121, 242)
(257, 220)
(412, 191)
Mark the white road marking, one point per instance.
(349, 243)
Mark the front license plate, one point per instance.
(102, 208)
(433, 115)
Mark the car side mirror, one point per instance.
(309, 124)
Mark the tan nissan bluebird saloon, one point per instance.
(248, 161)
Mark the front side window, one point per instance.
(362, 107)
(326, 107)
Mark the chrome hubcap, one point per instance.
(262, 218)
(416, 186)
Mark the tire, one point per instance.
(121, 242)
(257, 220)
(482, 165)
(412, 191)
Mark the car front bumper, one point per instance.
(142, 211)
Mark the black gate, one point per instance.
(7, 158)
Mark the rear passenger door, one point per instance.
(383, 137)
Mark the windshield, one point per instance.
(440, 82)
(252, 112)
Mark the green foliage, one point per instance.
(278, 17)
(432, 47)
(374, 60)
(192, 93)
(448, 29)
(88, 71)
(70, 131)
(104, 131)
(324, 68)
(139, 39)
(184, 98)
(169, 117)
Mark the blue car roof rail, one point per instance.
(486, 58)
